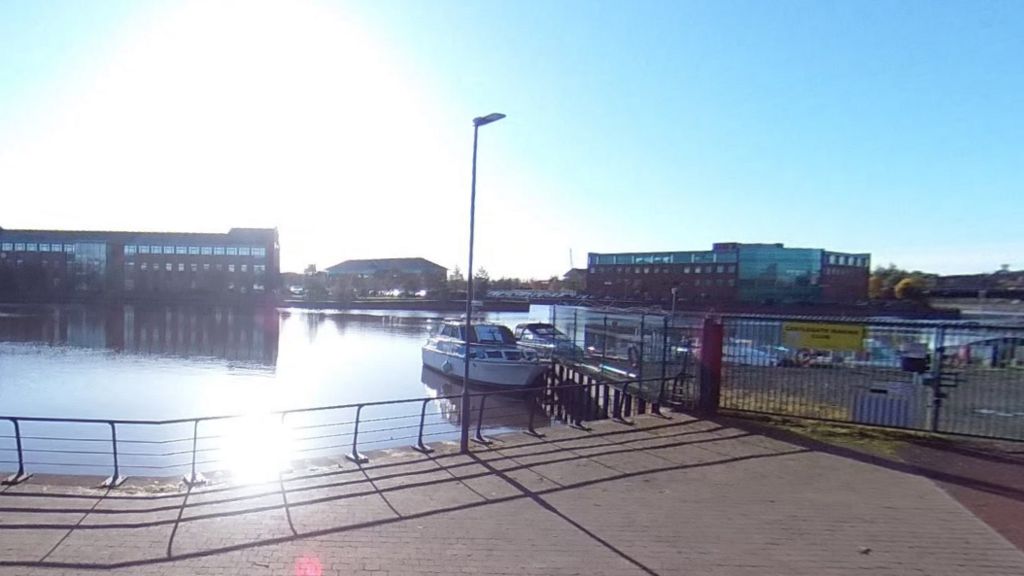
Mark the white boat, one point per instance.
(496, 358)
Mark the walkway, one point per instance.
(662, 497)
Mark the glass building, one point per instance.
(53, 264)
(748, 273)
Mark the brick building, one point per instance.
(48, 264)
(731, 272)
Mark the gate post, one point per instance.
(710, 367)
(936, 379)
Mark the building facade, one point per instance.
(731, 272)
(387, 274)
(54, 264)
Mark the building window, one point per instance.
(195, 267)
(168, 266)
(232, 251)
(69, 248)
(206, 250)
(720, 269)
(155, 250)
(181, 250)
(44, 247)
(732, 281)
(697, 270)
(129, 250)
(31, 247)
(193, 250)
(19, 246)
(259, 252)
(718, 282)
(168, 249)
(7, 246)
(144, 266)
(731, 269)
(218, 250)
(696, 282)
(231, 268)
(206, 267)
(259, 268)
(220, 267)
(245, 267)
(143, 249)
(181, 266)
(243, 250)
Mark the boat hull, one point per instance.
(505, 373)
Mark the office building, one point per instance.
(731, 272)
(55, 264)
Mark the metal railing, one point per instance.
(193, 445)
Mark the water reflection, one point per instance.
(239, 334)
(502, 409)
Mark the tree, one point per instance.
(481, 283)
(910, 288)
(876, 287)
(456, 281)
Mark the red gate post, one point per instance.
(710, 366)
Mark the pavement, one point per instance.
(660, 497)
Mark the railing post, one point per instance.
(532, 407)
(19, 476)
(710, 392)
(420, 446)
(936, 376)
(479, 439)
(656, 406)
(115, 479)
(195, 478)
(640, 404)
(355, 456)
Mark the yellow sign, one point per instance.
(823, 336)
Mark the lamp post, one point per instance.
(465, 410)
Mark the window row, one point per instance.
(37, 247)
(170, 267)
(257, 251)
(843, 260)
(710, 269)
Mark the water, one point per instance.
(177, 362)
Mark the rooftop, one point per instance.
(374, 265)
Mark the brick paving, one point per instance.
(661, 497)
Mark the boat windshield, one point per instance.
(493, 334)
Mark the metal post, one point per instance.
(640, 369)
(604, 342)
(936, 377)
(532, 405)
(479, 439)
(116, 479)
(656, 407)
(355, 456)
(19, 476)
(420, 446)
(195, 478)
(464, 437)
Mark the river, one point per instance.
(160, 362)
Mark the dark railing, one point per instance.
(562, 398)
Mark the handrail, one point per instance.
(571, 398)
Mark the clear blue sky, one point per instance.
(895, 128)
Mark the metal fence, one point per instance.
(615, 345)
(955, 378)
(950, 377)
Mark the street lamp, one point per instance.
(464, 411)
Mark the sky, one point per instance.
(895, 128)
